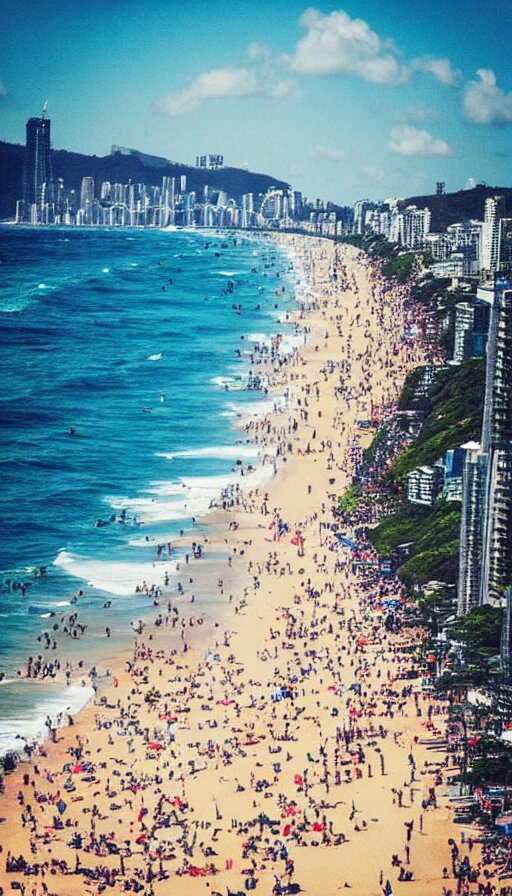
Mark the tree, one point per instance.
(480, 630)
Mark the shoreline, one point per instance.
(296, 616)
(66, 649)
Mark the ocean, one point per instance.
(126, 372)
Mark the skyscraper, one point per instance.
(491, 233)
(496, 571)
(38, 160)
(470, 552)
(505, 264)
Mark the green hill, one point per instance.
(464, 205)
(119, 168)
(433, 536)
(454, 408)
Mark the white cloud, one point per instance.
(283, 90)
(418, 112)
(226, 82)
(486, 103)
(441, 69)
(257, 50)
(337, 44)
(327, 153)
(405, 140)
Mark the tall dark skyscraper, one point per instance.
(38, 159)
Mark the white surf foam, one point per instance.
(15, 732)
(193, 496)
(261, 338)
(110, 576)
(230, 383)
(216, 451)
(257, 408)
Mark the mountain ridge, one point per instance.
(120, 168)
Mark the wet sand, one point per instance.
(279, 741)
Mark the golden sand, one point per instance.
(276, 769)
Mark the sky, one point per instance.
(344, 101)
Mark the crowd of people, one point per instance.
(286, 744)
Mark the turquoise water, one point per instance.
(124, 361)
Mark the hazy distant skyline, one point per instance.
(342, 100)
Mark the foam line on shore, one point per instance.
(120, 579)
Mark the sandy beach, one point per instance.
(285, 742)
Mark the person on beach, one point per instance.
(242, 749)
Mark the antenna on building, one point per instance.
(44, 109)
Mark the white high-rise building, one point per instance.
(491, 234)
(470, 552)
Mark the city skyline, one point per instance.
(343, 101)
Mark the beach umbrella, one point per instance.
(155, 746)
(346, 541)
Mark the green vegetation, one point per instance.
(434, 538)
(417, 524)
(437, 295)
(350, 500)
(491, 762)
(426, 291)
(398, 265)
(401, 268)
(480, 630)
(455, 407)
(380, 436)
(409, 399)
(438, 564)
(433, 291)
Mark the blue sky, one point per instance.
(371, 98)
